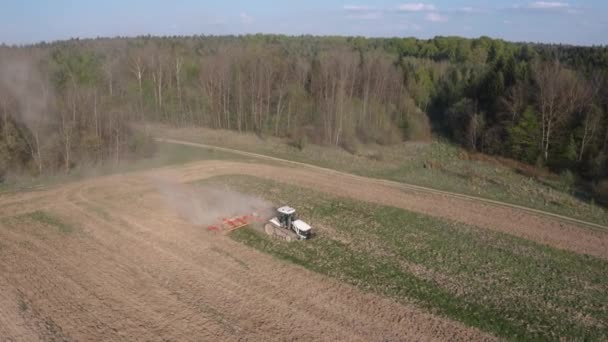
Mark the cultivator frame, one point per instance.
(230, 224)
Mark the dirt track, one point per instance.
(134, 271)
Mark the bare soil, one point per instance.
(132, 269)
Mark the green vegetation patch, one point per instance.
(445, 167)
(50, 220)
(44, 218)
(23, 305)
(505, 285)
(173, 154)
(97, 210)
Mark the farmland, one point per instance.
(108, 258)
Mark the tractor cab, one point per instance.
(288, 219)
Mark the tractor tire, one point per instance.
(279, 233)
(269, 229)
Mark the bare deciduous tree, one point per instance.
(138, 69)
(514, 101)
(561, 92)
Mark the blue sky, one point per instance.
(572, 22)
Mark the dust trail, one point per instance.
(23, 81)
(207, 204)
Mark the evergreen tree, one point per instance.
(523, 137)
(569, 154)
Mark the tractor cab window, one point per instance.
(284, 217)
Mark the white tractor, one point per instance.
(286, 218)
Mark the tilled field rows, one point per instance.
(131, 269)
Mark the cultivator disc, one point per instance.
(226, 225)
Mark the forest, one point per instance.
(67, 103)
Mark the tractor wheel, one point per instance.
(269, 229)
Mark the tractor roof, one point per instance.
(301, 225)
(286, 210)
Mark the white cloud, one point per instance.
(362, 12)
(357, 8)
(506, 22)
(472, 10)
(435, 17)
(548, 5)
(246, 18)
(417, 7)
(366, 16)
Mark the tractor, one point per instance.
(287, 219)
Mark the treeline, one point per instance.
(71, 102)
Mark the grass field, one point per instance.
(508, 286)
(39, 218)
(448, 169)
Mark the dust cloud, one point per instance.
(208, 204)
(25, 84)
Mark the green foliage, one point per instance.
(463, 118)
(50, 220)
(142, 145)
(568, 156)
(524, 137)
(76, 66)
(91, 146)
(343, 88)
(567, 180)
(191, 71)
(570, 151)
(13, 147)
(423, 87)
(23, 305)
(415, 124)
(299, 142)
(600, 190)
(597, 165)
(350, 144)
